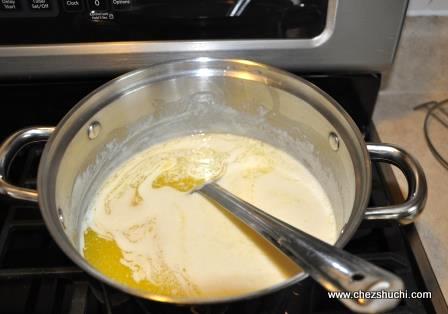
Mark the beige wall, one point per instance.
(428, 7)
(420, 70)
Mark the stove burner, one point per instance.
(36, 277)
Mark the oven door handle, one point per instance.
(9, 148)
(417, 187)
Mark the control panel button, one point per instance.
(101, 16)
(40, 5)
(10, 5)
(73, 5)
(97, 4)
(121, 4)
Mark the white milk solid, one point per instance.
(180, 241)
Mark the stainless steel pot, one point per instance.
(147, 106)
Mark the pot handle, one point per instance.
(9, 148)
(417, 188)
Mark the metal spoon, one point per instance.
(334, 269)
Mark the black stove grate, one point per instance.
(36, 277)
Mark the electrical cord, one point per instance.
(431, 112)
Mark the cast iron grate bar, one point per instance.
(45, 296)
(79, 298)
(40, 272)
(4, 234)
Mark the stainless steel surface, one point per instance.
(334, 268)
(405, 212)
(8, 150)
(239, 7)
(201, 95)
(94, 130)
(359, 35)
(241, 97)
(333, 139)
(61, 217)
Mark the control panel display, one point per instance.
(74, 21)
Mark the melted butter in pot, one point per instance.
(147, 231)
(191, 169)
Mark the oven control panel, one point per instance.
(78, 21)
(52, 8)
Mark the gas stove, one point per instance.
(54, 52)
(36, 276)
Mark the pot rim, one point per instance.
(100, 97)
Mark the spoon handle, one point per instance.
(335, 269)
